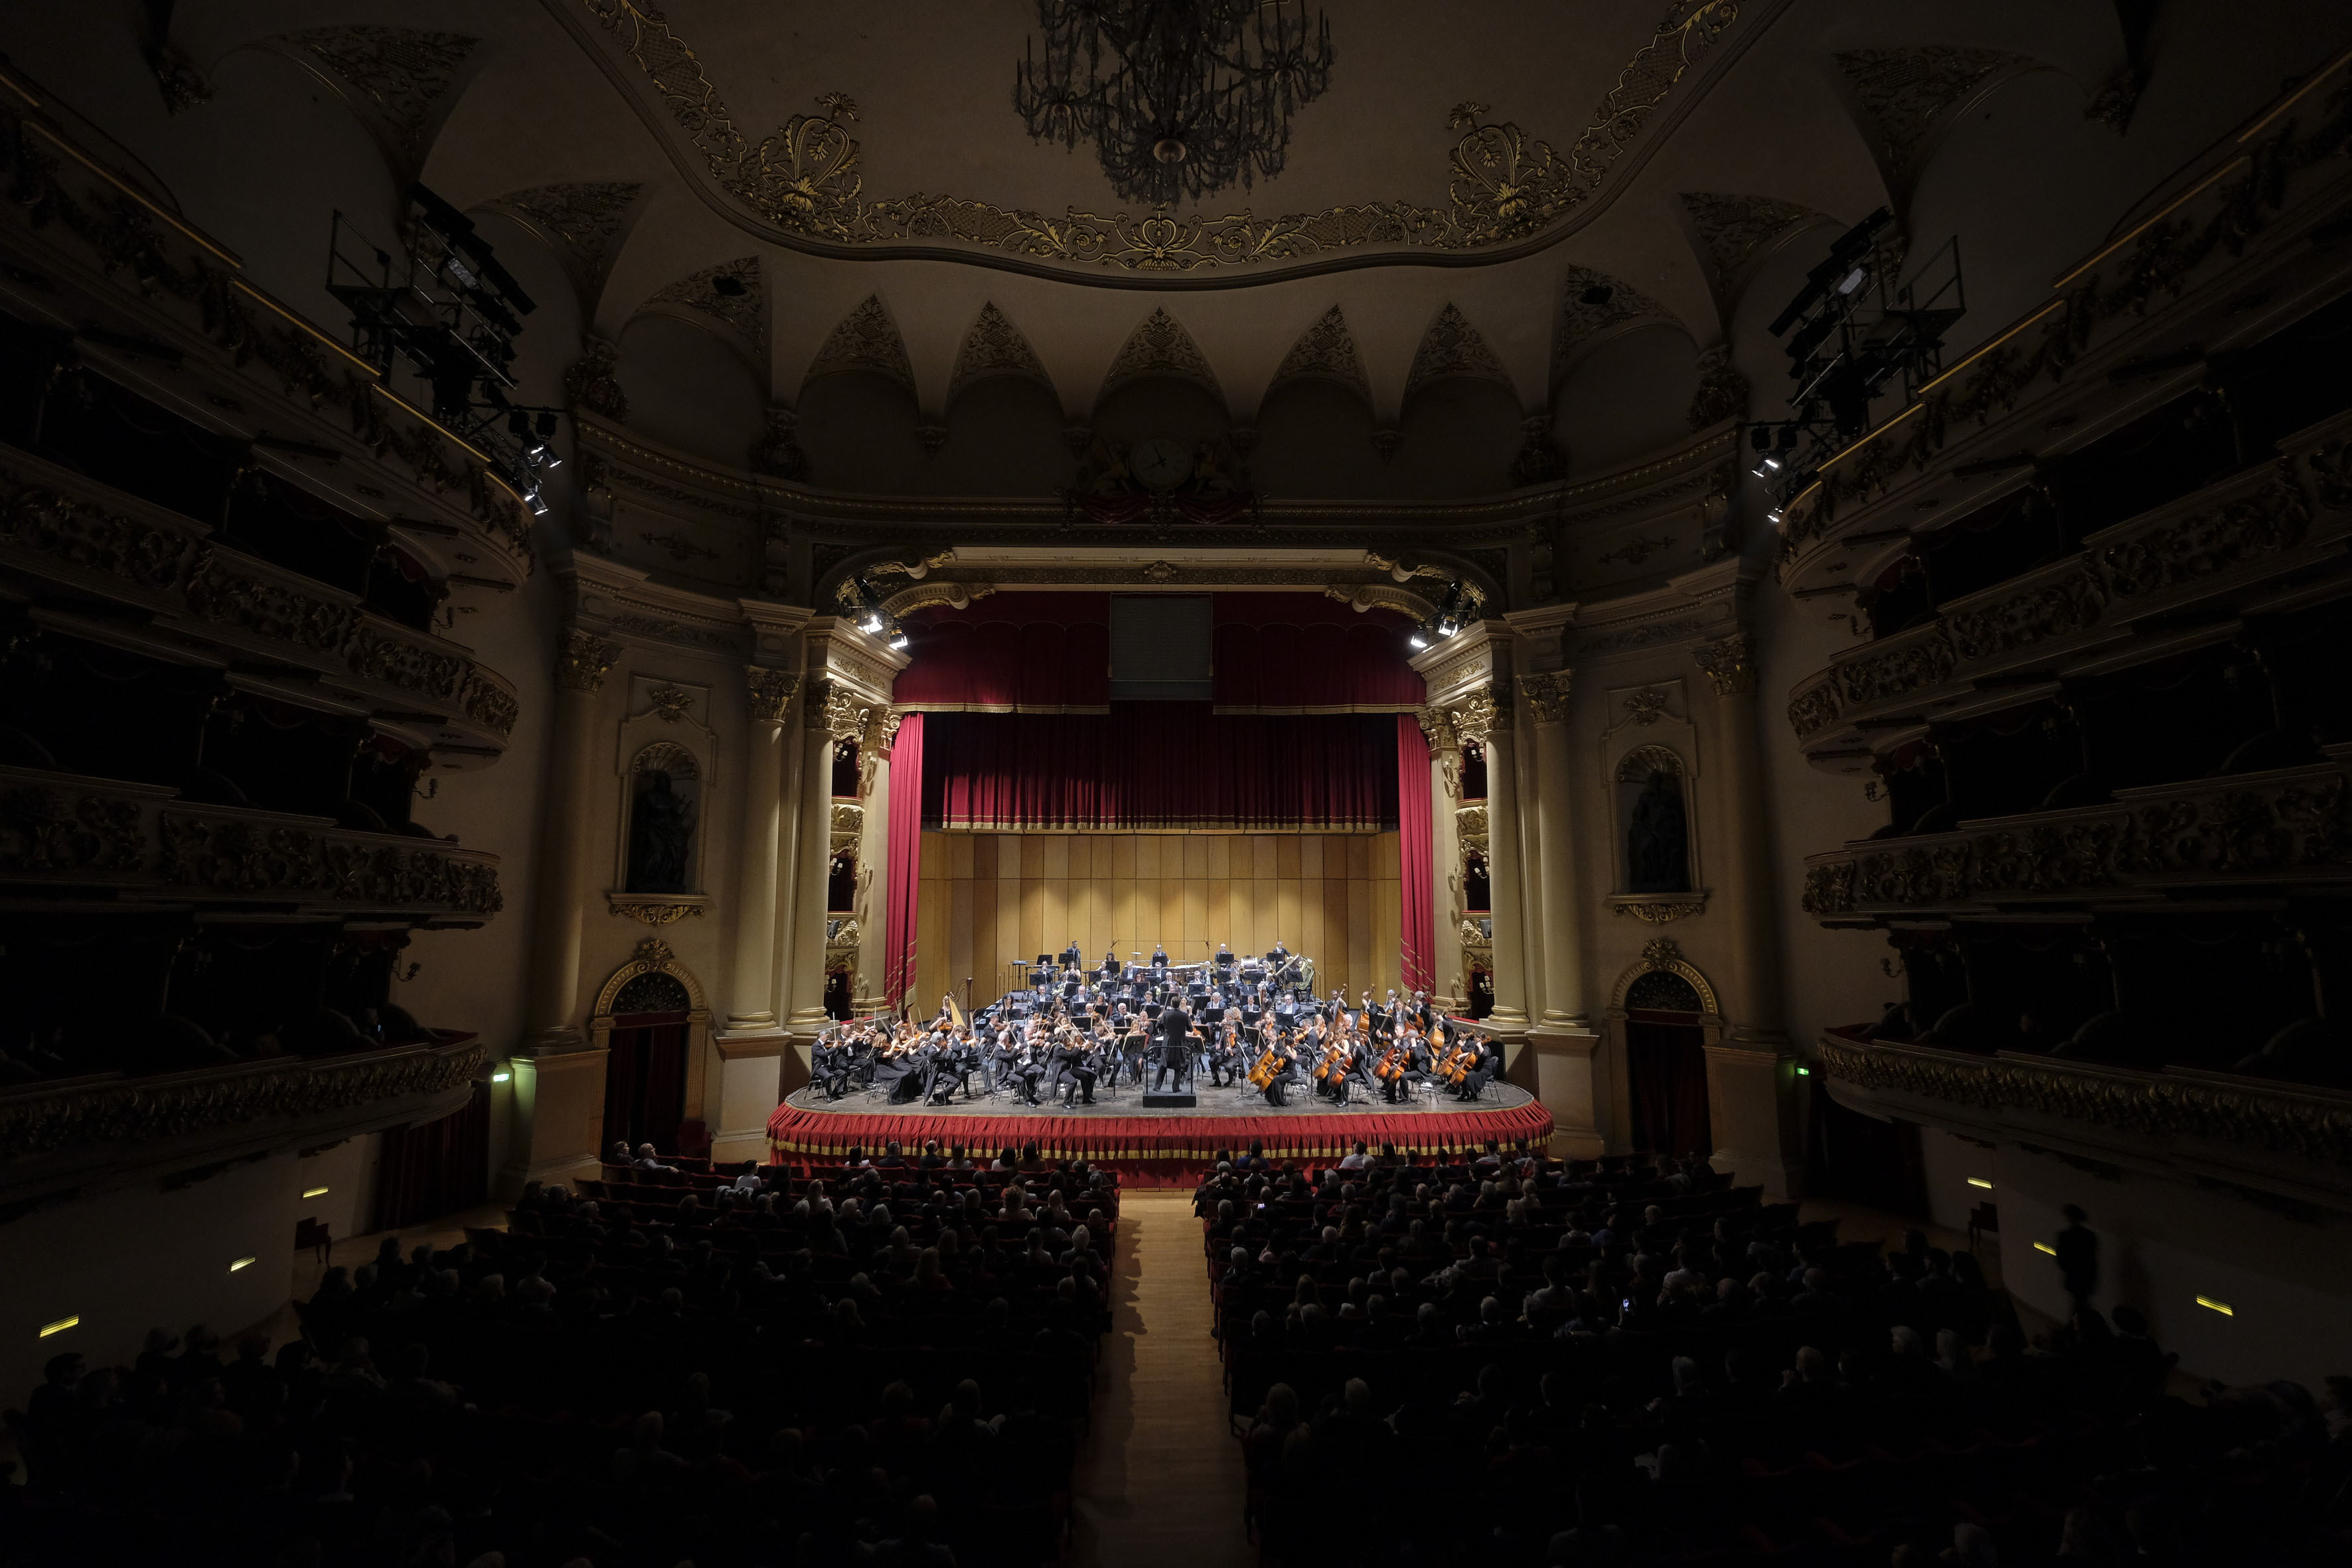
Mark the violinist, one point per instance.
(1074, 1070)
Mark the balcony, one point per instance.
(2285, 828)
(2291, 1139)
(110, 1127)
(135, 844)
(60, 526)
(2209, 552)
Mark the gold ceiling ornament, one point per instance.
(1503, 184)
(651, 912)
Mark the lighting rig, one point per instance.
(447, 310)
(1851, 333)
(866, 608)
(1452, 612)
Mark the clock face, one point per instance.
(1161, 463)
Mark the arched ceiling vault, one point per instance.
(1448, 208)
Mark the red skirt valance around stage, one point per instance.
(1152, 1139)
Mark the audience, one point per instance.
(825, 1367)
(1612, 1362)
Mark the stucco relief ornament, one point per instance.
(1660, 951)
(670, 703)
(1645, 707)
(1729, 665)
(583, 659)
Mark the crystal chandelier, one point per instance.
(1181, 97)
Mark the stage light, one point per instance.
(1759, 436)
(242, 1263)
(501, 1078)
(531, 498)
(1772, 515)
(872, 622)
(2044, 1247)
(546, 423)
(1980, 1182)
(314, 1191)
(1417, 640)
(2211, 1305)
(519, 425)
(60, 1326)
(898, 642)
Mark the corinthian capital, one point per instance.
(1730, 664)
(770, 692)
(1548, 694)
(583, 658)
(1437, 728)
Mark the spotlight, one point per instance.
(1759, 436)
(533, 500)
(1417, 640)
(898, 642)
(519, 425)
(1448, 626)
(546, 423)
(1772, 515)
(872, 622)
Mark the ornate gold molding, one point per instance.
(2291, 825)
(2283, 1118)
(1548, 694)
(41, 1120)
(1729, 665)
(657, 909)
(1658, 909)
(583, 659)
(114, 544)
(1503, 185)
(770, 692)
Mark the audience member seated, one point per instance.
(828, 1365)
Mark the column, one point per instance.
(1487, 718)
(583, 659)
(769, 692)
(1562, 944)
(1752, 1077)
(829, 712)
(1730, 669)
(874, 856)
(1445, 859)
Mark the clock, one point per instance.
(1161, 463)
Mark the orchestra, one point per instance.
(1252, 1024)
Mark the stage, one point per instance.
(1160, 1144)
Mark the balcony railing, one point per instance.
(2257, 525)
(64, 830)
(61, 525)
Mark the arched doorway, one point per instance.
(1665, 1015)
(1665, 1051)
(652, 1022)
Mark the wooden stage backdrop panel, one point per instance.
(988, 898)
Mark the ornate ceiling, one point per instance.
(1492, 191)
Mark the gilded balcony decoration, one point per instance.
(55, 523)
(43, 1119)
(2246, 527)
(2289, 825)
(141, 841)
(146, 268)
(2242, 1113)
(2100, 305)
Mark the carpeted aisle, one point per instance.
(1157, 1479)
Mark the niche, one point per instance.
(1473, 771)
(664, 801)
(1477, 885)
(844, 770)
(1653, 837)
(841, 884)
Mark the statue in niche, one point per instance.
(1657, 838)
(661, 832)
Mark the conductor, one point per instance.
(1175, 1047)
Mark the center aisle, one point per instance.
(1158, 1479)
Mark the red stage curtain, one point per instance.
(1050, 653)
(1417, 868)
(436, 1167)
(1151, 765)
(909, 782)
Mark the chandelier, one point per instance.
(1181, 97)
